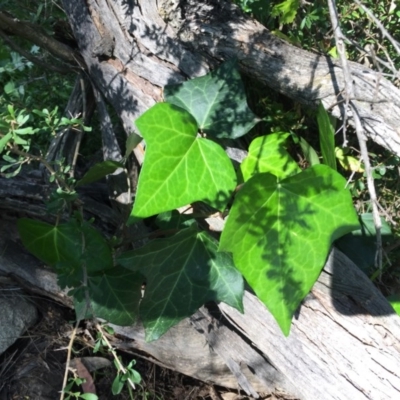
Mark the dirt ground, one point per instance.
(33, 368)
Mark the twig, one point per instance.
(350, 104)
(80, 131)
(114, 354)
(61, 182)
(33, 59)
(378, 23)
(71, 342)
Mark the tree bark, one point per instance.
(344, 341)
(132, 53)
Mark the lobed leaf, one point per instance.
(179, 167)
(183, 272)
(217, 101)
(280, 233)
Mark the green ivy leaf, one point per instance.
(268, 154)
(115, 295)
(280, 233)
(69, 248)
(217, 101)
(50, 243)
(99, 171)
(183, 272)
(326, 137)
(179, 168)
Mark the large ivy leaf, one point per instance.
(183, 272)
(69, 248)
(268, 154)
(280, 233)
(50, 243)
(217, 101)
(179, 167)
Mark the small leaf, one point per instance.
(217, 101)
(25, 131)
(326, 137)
(287, 11)
(183, 272)
(88, 396)
(179, 168)
(117, 385)
(348, 163)
(280, 233)
(132, 141)
(309, 153)
(394, 301)
(99, 171)
(268, 154)
(4, 140)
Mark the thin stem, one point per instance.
(350, 104)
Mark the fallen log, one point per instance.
(344, 341)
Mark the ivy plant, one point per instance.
(281, 221)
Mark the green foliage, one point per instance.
(83, 261)
(182, 273)
(280, 232)
(287, 11)
(99, 171)
(69, 394)
(281, 222)
(268, 154)
(122, 377)
(179, 167)
(326, 137)
(360, 244)
(217, 102)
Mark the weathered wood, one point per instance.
(344, 342)
(149, 54)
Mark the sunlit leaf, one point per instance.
(268, 154)
(287, 11)
(179, 167)
(280, 233)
